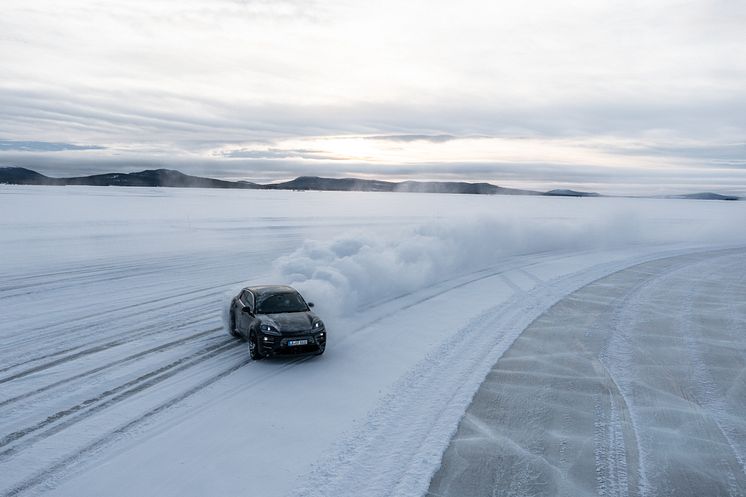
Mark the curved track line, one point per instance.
(91, 448)
(124, 360)
(92, 350)
(108, 398)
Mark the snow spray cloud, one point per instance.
(361, 268)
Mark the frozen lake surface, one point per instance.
(118, 378)
(632, 385)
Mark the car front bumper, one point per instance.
(272, 345)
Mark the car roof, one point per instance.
(270, 289)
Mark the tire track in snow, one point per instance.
(200, 294)
(114, 275)
(610, 447)
(147, 331)
(614, 437)
(617, 358)
(704, 396)
(109, 398)
(139, 355)
(69, 277)
(101, 443)
(112, 314)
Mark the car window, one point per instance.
(281, 302)
(247, 298)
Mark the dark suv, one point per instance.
(276, 321)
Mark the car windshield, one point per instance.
(281, 302)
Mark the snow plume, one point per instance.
(361, 268)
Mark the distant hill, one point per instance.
(23, 176)
(459, 187)
(172, 178)
(570, 193)
(333, 184)
(155, 177)
(704, 196)
(151, 177)
(368, 185)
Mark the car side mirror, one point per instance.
(310, 304)
(247, 310)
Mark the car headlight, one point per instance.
(268, 329)
(318, 325)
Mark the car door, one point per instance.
(245, 319)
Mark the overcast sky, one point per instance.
(615, 96)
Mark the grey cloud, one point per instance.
(39, 146)
(715, 154)
(413, 138)
(277, 153)
(163, 116)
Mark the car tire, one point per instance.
(321, 350)
(254, 348)
(232, 326)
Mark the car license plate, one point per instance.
(291, 343)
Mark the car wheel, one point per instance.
(321, 350)
(232, 326)
(254, 348)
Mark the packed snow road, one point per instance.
(117, 376)
(631, 386)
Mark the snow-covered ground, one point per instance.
(118, 378)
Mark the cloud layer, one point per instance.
(476, 89)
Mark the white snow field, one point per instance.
(118, 378)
